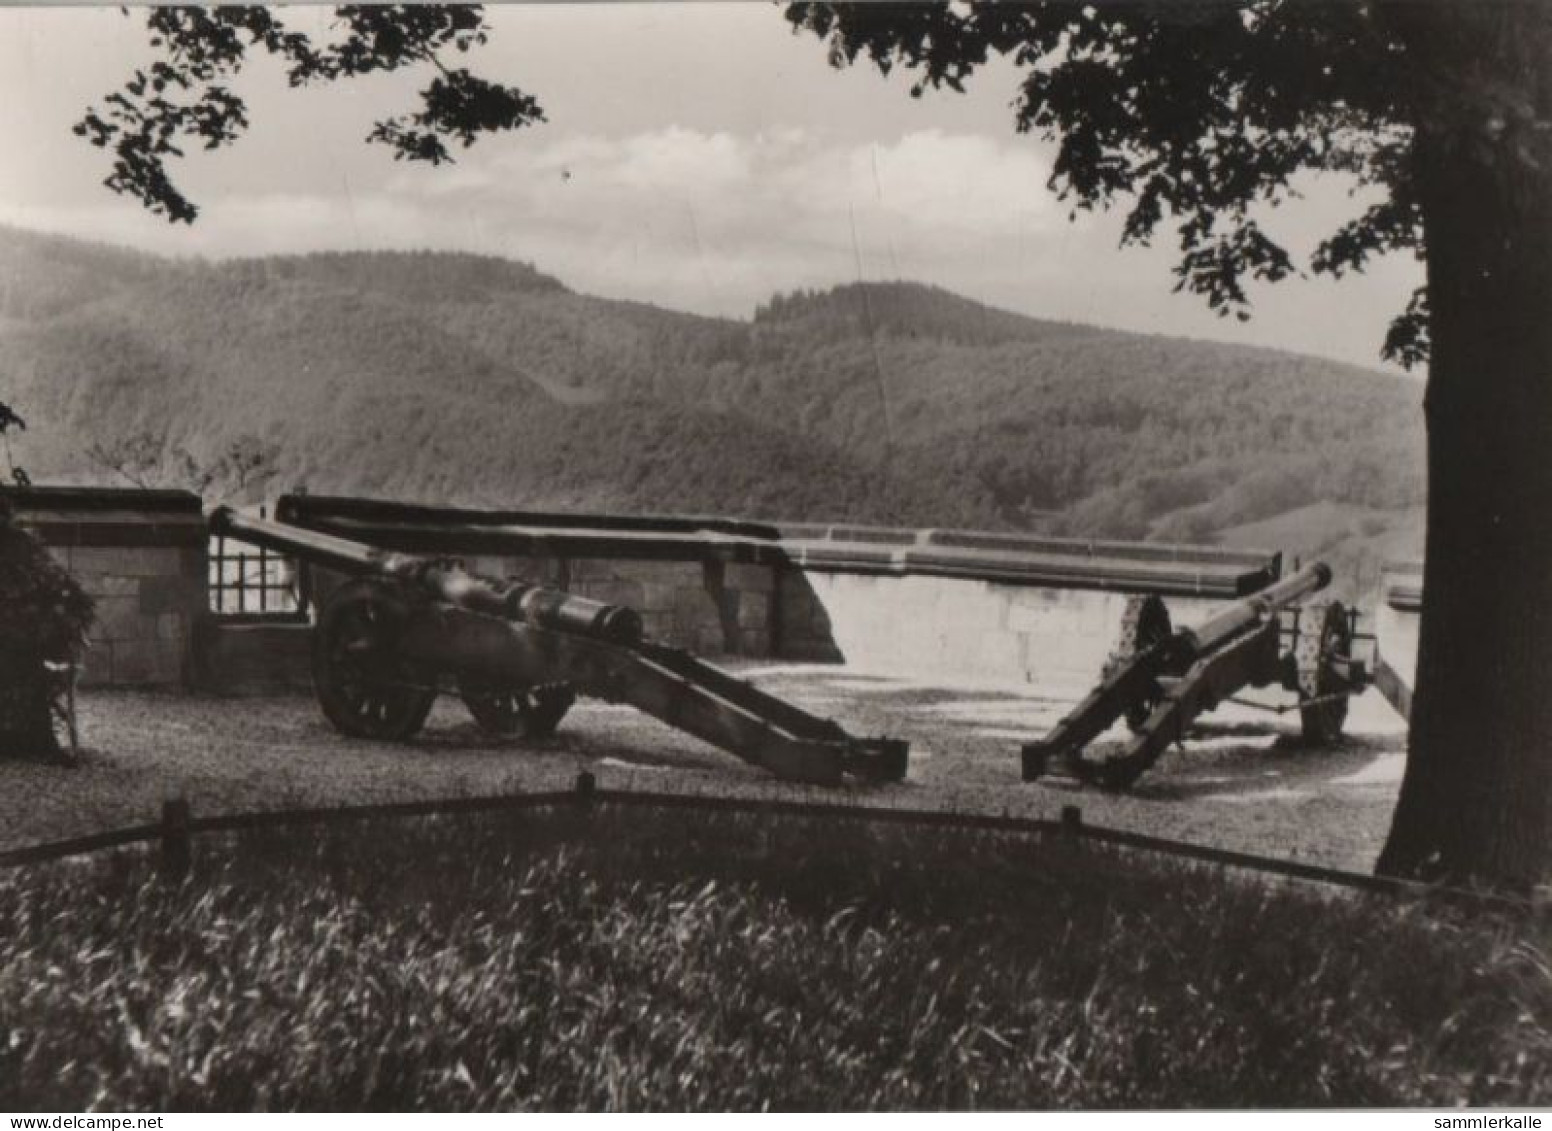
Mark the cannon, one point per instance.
(404, 628)
(1160, 679)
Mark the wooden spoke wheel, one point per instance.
(524, 712)
(1144, 624)
(1325, 636)
(365, 686)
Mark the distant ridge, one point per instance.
(914, 310)
(444, 376)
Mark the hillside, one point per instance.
(478, 380)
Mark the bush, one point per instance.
(44, 616)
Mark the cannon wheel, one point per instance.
(527, 712)
(366, 689)
(1144, 624)
(1324, 630)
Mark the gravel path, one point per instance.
(1241, 782)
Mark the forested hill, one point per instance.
(478, 380)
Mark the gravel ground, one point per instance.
(1240, 782)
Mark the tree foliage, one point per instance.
(184, 97)
(150, 459)
(40, 603)
(1197, 112)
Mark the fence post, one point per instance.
(1072, 823)
(175, 838)
(586, 800)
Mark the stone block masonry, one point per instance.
(141, 555)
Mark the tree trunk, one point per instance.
(1476, 800)
(26, 709)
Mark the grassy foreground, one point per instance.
(633, 960)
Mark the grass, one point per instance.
(655, 961)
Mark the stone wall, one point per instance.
(252, 657)
(141, 555)
(971, 631)
(1396, 618)
(988, 608)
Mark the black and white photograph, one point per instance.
(744, 556)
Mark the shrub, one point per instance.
(44, 616)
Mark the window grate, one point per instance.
(252, 581)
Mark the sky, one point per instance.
(698, 156)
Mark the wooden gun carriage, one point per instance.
(1160, 679)
(405, 628)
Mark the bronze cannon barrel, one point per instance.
(566, 612)
(1256, 608)
(441, 579)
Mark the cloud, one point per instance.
(704, 221)
(716, 222)
(964, 183)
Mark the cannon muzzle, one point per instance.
(1258, 607)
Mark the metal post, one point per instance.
(1072, 823)
(175, 838)
(221, 573)
(304, 586)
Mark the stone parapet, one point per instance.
(141, 555)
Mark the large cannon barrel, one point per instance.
(441, 579)
(1256, 608)
(320, 549)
